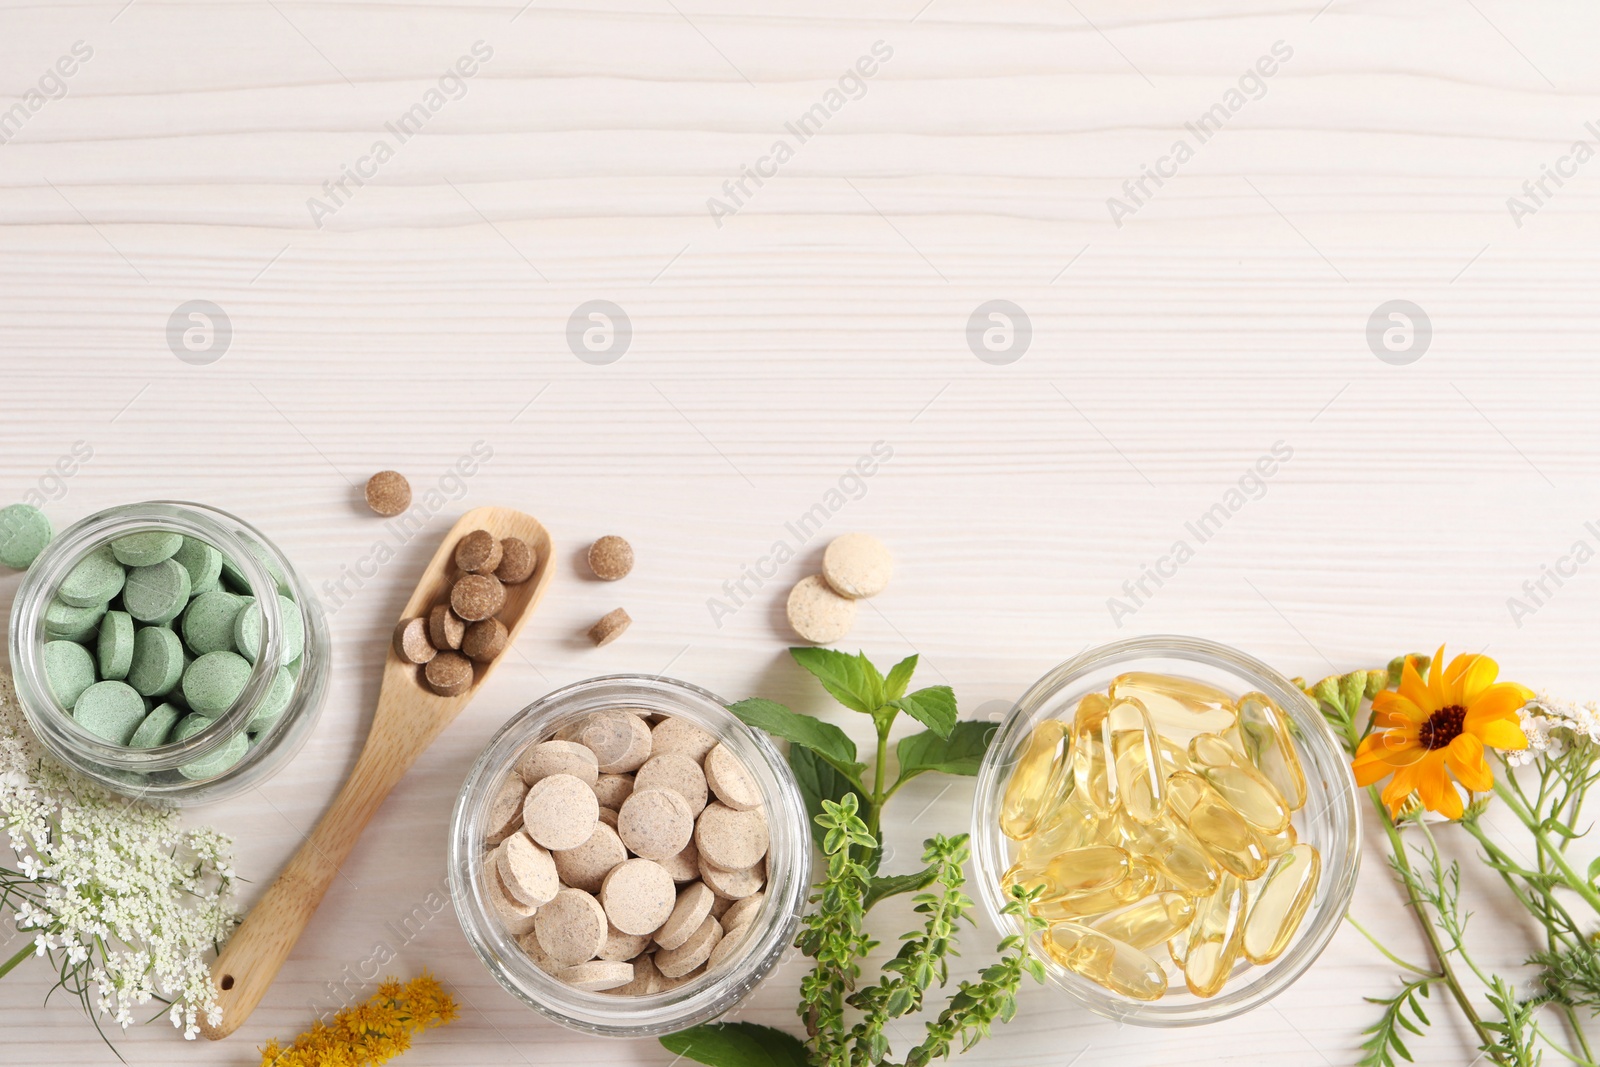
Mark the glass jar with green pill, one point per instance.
(168, 651)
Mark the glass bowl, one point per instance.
(710, 994)
(1329, 820)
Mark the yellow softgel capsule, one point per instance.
(1172, 851)
(1114, 964)
(1071, 825)
(1078, 872)
(1030, 791)
(1227, 837)
(1141, 882)
(1180, 706)
(1149, 922)
(1139, 781)
(1215, 936)
(1280, 902)
(1240, 784)
(1263, 736)
(1275, 845)
(1174, 757)
(1091, 742)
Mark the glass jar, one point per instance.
(710, 994)
(1329, 820)
(167, 773)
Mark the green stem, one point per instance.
(1569, 877)
(6, 967)
(1390, 956)
(1397, 848)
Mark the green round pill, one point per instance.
(116, 645)
(156, 593)
(214, 681)
(208, 622)
(69, 669)
(203, 563)
(24, 531)
(275, 703)
(190, 725)
(110, 710)
(72, 623)
(146, 549)
(247, 630)
(218, 761)
(156, 728)
(157, 661)
(94, 579)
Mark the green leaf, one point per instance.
(934, 707)
(1594, 870)
(891, 885)
(958, 753)
(737, 1045)
(900, 677)
(820, 780)
(853, 681)
(825, 739)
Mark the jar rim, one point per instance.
(1326, 756)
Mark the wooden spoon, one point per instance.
(408, 718)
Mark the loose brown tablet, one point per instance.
(449, 674)
(517, 561)
(478, 552)
(678, 773)
(693, 905)
(560, 812)
(571, 928)
(654, 823)
(411, 641)
(484, 640)
(620, 741)
(586, 866)
(610, 558)
(477, 596)
(732, 840)
(817, 613)
(638, 896)
(388, 493)
(557, 757)
(857, 565)
(729, 780)
(679, 962)
(527, 871)
(610, 627)
(445, 628)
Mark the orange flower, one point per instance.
(1426, 731)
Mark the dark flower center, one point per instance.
(1442, 727)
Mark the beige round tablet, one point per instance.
(734, 885)
(728, 947)
(621, 946)
(720, 907)
(609, 817)
(586, 866)
(557, 757)
(646, 979)
(741, 911)
(817, 613)
(610, 558)
(678, 773)
(516, 916)
(620, 741)
(685, 865)
(612, 789)
(411, 641)
(505, 810)
(569, 730)
(527, 870)
(680, 736)
(597, 976)
(694, 904)
(726, 776)
(571, 928)
(560, 812)
(678, 962)
(638, 896)
(654, 823)
(529, 943)
(857, 565)
(732, 840)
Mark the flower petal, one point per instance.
(1437, 791)
(1501, 701)
(1399, 789)
(1455, 673)
(1498, 733)
(1465, 758)
(1437, 692)
(1392, 709)
(1412, 687)
(1478, 677)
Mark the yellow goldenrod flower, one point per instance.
(1426, 731)
(371, 1033)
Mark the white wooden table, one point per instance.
(781, 332)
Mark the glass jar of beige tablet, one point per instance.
(202, 756)
(717, 989)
